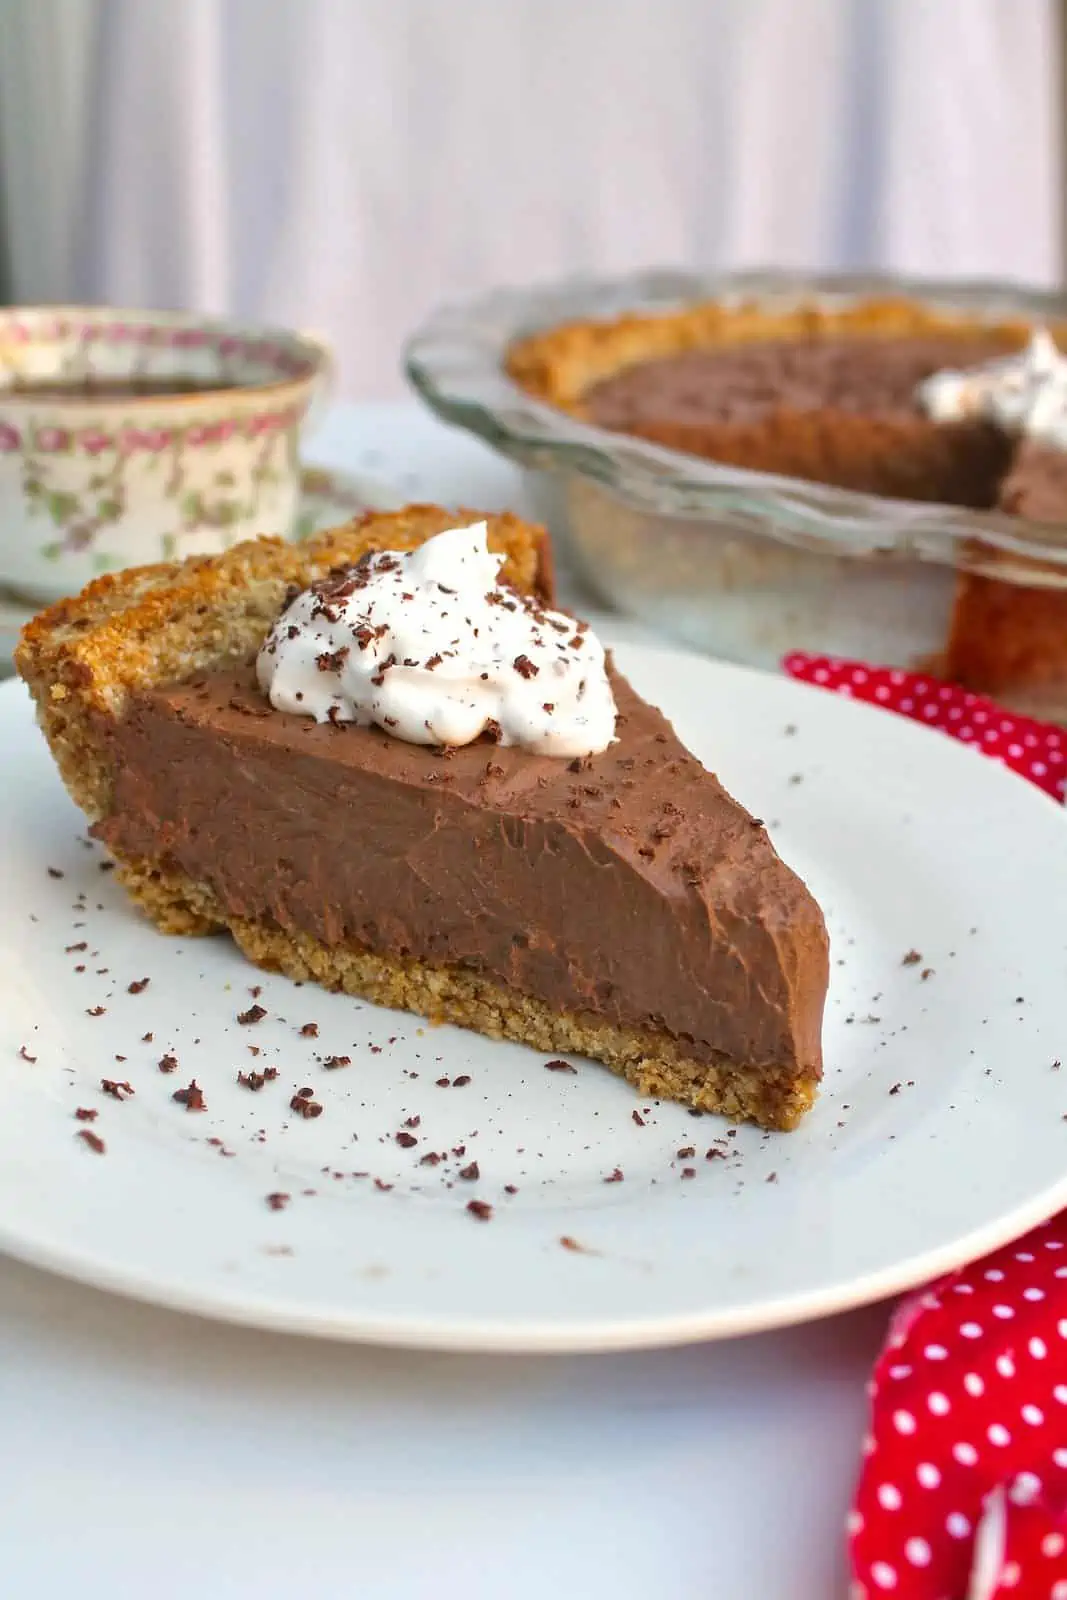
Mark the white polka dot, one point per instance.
(1052, 1544)
(884, 1576)
(1059, 1456)
(981, 716)
(918, 1552)
(998, 1434)
(1005, 1313)
(1024, 1255)
(1007, 726)
(1005, 1366)
(973, 1384)
(929, 710)
(1025, 1488)
(970, 1330)
(928, 1475)
(1053, 1244)
(896, 677)
(854, 1522)
(1059, 1590)
(900, 1371)
(907, 703)
(1033, 1293)
(954, 713)
(1061, 1326)
(965, 1454)
(889, 1497)
(1033, 1415)
(821, 676)
(935, 1352)
(958, 1525)
(938, 1403)
(903, 1422)
(869, 1445)
(1010, 1574)
(859, 675)
(994, 1275)
(962, 1288)
(1038, 1348)
(1015, 751)
(1038, 768)
(881, 693)
(1060, 1393)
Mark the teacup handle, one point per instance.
(326, 384)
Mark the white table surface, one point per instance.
(145, 1454)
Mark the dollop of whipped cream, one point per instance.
(430, 646)
(1025, 393)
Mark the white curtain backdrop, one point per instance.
(346, 164)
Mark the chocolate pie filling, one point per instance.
(628, 885)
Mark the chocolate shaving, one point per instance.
(25, 1055)
(471, 1172)
(278, 1200)
(117, 1091)
(304, 1105)
(86, 1114)
(480, 1209)
(167, 1063)
(138, 986)
(253, 1014)
(559, 1066)
(93, 1140)
(191, 1097)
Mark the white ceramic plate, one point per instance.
(327, 498)
(940, 1131)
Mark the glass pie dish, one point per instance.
(741, 564)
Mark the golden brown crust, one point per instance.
(560, 365)
(655, 1062)
(148, 626)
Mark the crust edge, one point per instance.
(560, 364)
(124, 633)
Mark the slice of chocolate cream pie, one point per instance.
(382, 762)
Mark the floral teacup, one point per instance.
(137, 436)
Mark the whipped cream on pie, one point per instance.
(428, 645)
(1025, 394)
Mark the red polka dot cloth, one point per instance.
(962, 1493)
(1037, 750)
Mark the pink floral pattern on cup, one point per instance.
(98, 481)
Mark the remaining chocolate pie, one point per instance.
(616, 903)
(833, 396)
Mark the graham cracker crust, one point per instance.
(559, 365)
(655, 1063)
